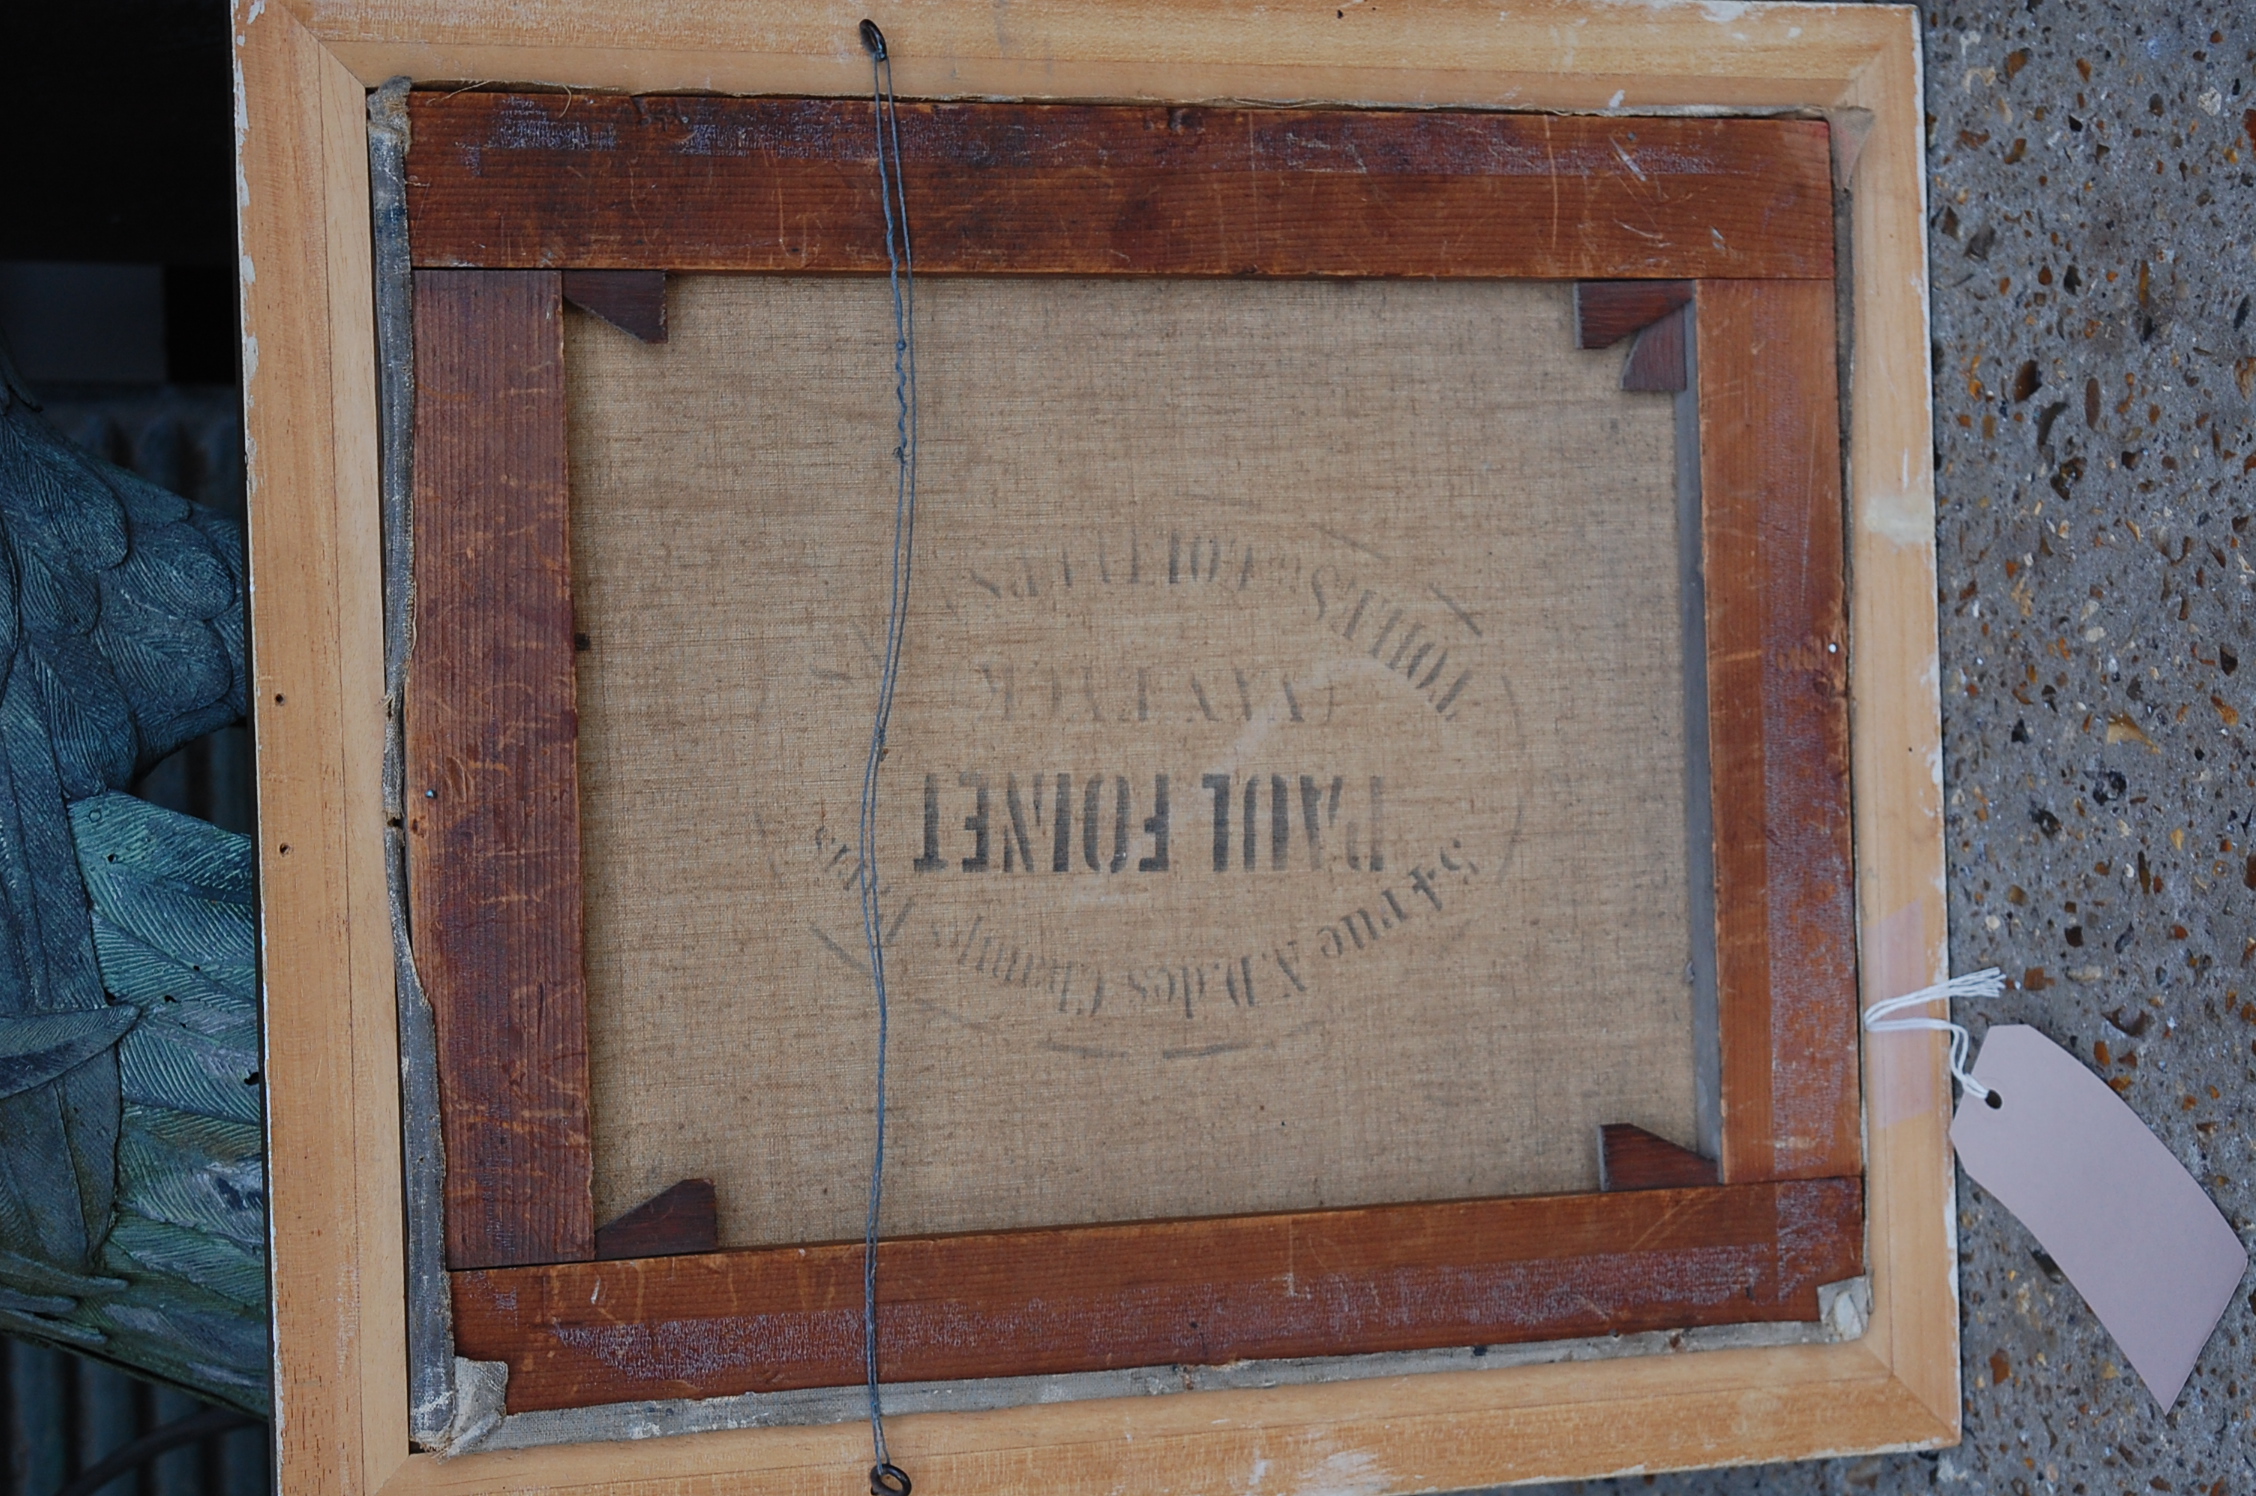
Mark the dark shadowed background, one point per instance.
(117, 301)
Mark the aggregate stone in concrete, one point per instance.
(2092, 227)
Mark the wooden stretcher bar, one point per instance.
(500, 180)
(555, 181)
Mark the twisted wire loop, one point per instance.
(887, 1478)
(1988, 982)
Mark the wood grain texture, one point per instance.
(557, 180)
(332, 1080)
(1656, 360)
(1533, 56)
(630, 300)
(1770, 474)
(492, 782)
(1630, 1158)
(1896, 726)
(1155, 1293)
(1445, 1431)
(1608, 311)
(682, 1218)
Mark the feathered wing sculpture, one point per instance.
(132, 1188)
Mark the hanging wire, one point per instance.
(1988, 982)
(887, 1478)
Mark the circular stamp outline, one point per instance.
(1293, 959)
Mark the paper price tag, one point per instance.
(2129, 1226)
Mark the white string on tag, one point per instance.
(1988, 982)
(2159, 1265)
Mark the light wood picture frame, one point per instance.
(334, 1114)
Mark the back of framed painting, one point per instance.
(1361, 856)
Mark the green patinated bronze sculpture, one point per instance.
(132, 1178)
